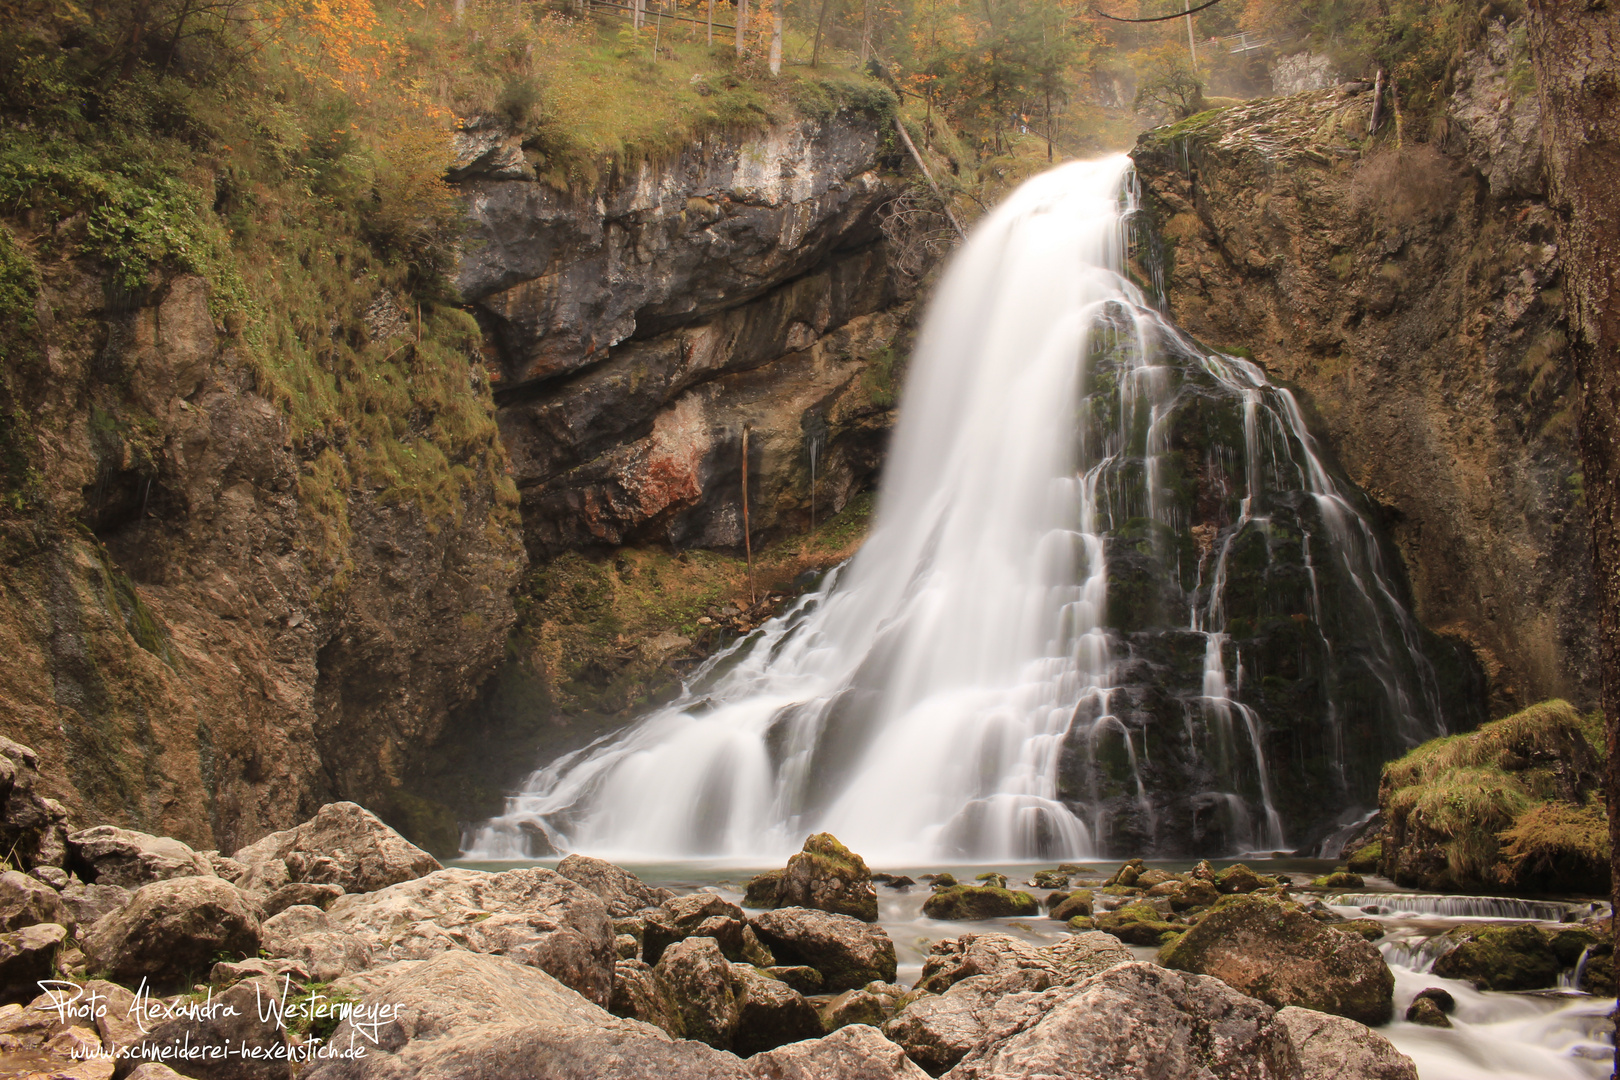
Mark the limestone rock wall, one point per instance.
(640, 326)
(177, 650)
(1411, 294)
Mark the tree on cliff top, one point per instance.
(1575, 46)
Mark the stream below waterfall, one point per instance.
(1542, 1035)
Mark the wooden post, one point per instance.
(748, 543)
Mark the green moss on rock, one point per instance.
(1513, 805)
(957, 902)
(1518, 957)
(1277, 952)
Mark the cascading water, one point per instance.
(1113, 600)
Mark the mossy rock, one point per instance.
(1239, 880)
(1081, 923)
(1339, 879)
(1138, 924)
(1370, 929)
(1365, 860)
(1516, 957)
(992, 879)
(827, 876)
(1076, 903)
(1049, 879)
(1275, 951)
(764, 891)
(958, 902)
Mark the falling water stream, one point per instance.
(1114, 600)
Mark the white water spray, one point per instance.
(925, 701)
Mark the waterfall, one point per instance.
(1113, 600)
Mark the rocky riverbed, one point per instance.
(339, 950)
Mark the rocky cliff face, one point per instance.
(220, 619)
(1412, 294)
(200, 634)
(643, 324)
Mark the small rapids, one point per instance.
(1114, 600)
(1469, 907)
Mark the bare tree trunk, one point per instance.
(905, 138)
(742, 26)
(711, 24)
(1575, 47)
(866, 33)
(776, 36)
(821, 21)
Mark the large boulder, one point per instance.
(295, 893)
(957, 902)
(343, 844)
(1137, 1021)
(108, 855)
(86, 904)
(1067, 960)
(464, 1014)
(532, 915)
(304, 933)
(33, 828)
(172, 931)
(680, 917)
(770, 1013)
(28, 956)
(1278, 953)
(993, 982)
(639, 994)
(1515, 956)
(857, 1052)
(827, 876)
(622, 892)
(846, 951)
(699, 982)
(27, 901)
(237, 1038)
(1334, 1048)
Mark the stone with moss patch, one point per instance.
(958, 902)
(1277, 952)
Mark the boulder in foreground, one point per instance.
(1333, 1048)
(534, 916)
(343, 844)
(856, 1052)
(1276, 952)
(846, 951)
(172, 931)
(464, 1014)
(108, 855)
(1138, 1021)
